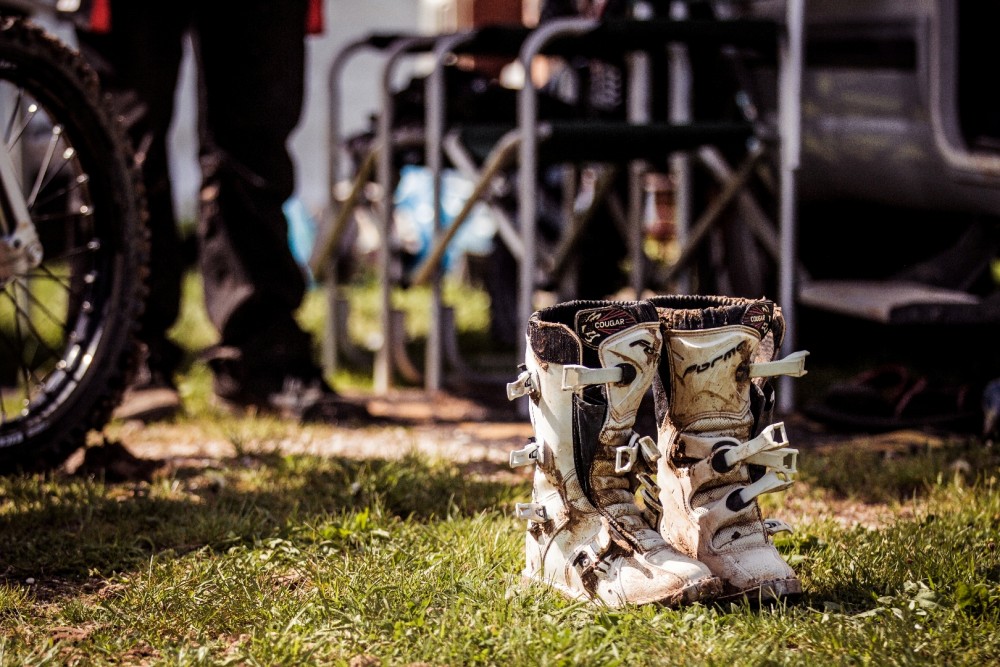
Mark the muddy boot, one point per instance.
(718, 449)
(588, 365)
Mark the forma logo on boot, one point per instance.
(701, 368)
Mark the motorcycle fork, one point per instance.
(20, 249)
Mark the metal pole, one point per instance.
(330, 342)
(382, 375)
(679, 114)
(790, 130)
(435, 111)
(640, 113)
(527, 120)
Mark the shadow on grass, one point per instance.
(871, 469)
(71, 527)
(953, 553)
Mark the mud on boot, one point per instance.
(588, 365)
(719, 451)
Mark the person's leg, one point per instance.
(251, 62)
(138, 64)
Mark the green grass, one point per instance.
(193, 332)
(267, 558)
(275, 559)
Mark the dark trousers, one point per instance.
(250, 61)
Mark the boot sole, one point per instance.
(704, 590)
(769, 592)
(149, 405)
(700, 591)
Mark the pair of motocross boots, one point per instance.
(620, 518)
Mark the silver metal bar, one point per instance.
(680, 112)
(752, 214)
(979, 166)
(639, 112)
(383, 360)
(711, 215)
(14, 195)
(435, 112)
(328, 260)
(323, 262)
(506, 228)
(527, 121)
(20, 247)
(501, 156)
(790, 62)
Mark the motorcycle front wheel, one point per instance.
(68, 324)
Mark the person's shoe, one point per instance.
(151, 397)
(300, 399)
(292, 389)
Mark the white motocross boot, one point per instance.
(718, 449)
(588, 365)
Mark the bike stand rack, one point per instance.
(409, 370)
(353, 354)
(397, 348)
(449, 340)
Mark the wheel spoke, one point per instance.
(26, 373)
(46, 273)
(92, 246)
(66, 158)
(83, 213)
(77, 183)
(18, 351)
(22, 315)
(15, 112)
(42, 308)
(31, 113)
(50, 150)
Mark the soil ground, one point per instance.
(476, 434)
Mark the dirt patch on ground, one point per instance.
(476, 436)
(473, 435)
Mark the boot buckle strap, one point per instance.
(771, 438)
(533, 452)
(534, 512)
(524, 385)
(648, 486)
(578, 377)
(769, 483)
(627, 455)
(775, 526)
(649, 448)
(784, 462)
(649, 494)
(794, 365)
(589, 556)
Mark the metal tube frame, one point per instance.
(434, 121)
(382, 373)
(527, 121)
(680, 111)
(790, 63)
(331, 340)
